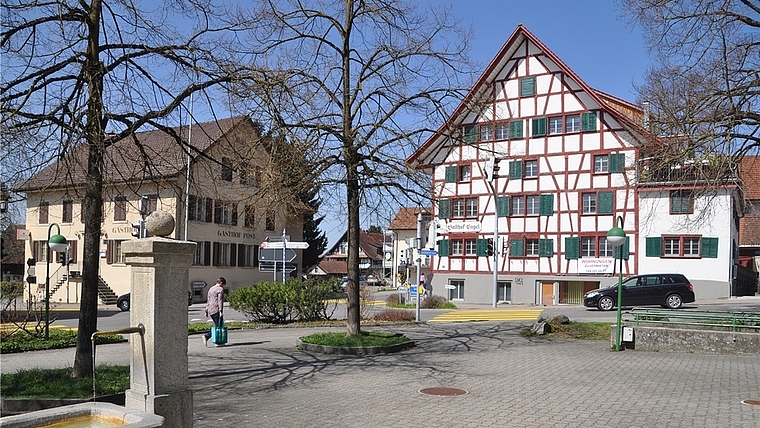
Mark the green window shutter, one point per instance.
(443, 248)
(546, 205)
(709, 248)
(482, 247)
(538, 127)
(451, 174)
(617, 162)
(516, 248)
(604, 203)
(545, 247)
(625, 248)
(515, 170)
(588, 122)
(527, 86)
(470, 133)
(444, 208)
(572, 248)
(515, 129)
(654, 246)
(502, 206)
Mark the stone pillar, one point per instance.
(159, 375)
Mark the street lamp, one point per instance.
(58, 244)
(616, 237)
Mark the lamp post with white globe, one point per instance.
(616, 238)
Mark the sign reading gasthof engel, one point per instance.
(463, 226)
(596, 265)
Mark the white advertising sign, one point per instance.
(463, 226)
(596, 265)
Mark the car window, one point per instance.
(651, 280)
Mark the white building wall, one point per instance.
(712, 218)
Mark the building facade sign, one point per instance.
(463, 226)
(589, 266)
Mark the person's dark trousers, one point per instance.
(215, 318)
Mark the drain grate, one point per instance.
(443, 391)
(751, 402)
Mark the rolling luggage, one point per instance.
(219, 333)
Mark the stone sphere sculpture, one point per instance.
(160, 223)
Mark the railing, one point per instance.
(715, 320)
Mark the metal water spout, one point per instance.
(129, 330)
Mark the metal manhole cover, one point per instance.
(751, 402)
(442, 391)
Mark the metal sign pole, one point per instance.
(284, 247)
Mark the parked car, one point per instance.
(123, 302)
(669, 290)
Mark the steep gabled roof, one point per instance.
(371, 244)
(435, 149)
(406, 218)
(125, 160)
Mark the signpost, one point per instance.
(276, 253)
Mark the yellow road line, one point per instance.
(489, 315)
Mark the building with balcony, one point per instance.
(569, 160)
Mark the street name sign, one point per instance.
(428, 252)
(290, 245)
(275, 255)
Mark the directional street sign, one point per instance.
(275, 255)
(293, 245)
(266, 266)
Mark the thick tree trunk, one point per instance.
(354, 303)
(93, 198)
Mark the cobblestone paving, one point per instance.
(262, 380)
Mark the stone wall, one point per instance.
(671, 339)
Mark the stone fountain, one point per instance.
(158, 372)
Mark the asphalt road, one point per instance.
(110, 317)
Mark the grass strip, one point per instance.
(58, 383)
(365, 339)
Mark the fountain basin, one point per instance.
(107, 413)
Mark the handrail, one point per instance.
(729, 320)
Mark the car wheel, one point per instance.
(124, 305)
(673, 301)
(605, 303)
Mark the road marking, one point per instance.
(489, 315)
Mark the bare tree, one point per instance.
(91, 73)
(363, 82)
(704, 89)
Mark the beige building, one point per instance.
(219, 203)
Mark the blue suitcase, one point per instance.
(219, 333)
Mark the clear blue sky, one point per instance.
(589, 36)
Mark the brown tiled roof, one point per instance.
(406, 218)
(370, 243)
(333, 267)
(749, 172)
(749, 230)
(144, 155)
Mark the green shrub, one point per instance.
(269, 302)
(312, 302)
(278, 303)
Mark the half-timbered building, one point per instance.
(569, 163)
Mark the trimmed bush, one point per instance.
(278, 303)
(394, 315)
(436, 302)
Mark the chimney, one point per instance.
(645, 105)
